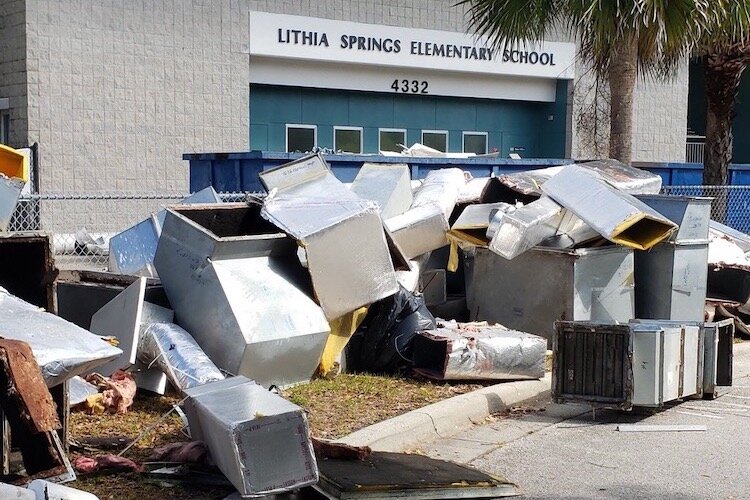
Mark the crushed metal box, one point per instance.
(259, 440)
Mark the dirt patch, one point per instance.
(335, 408)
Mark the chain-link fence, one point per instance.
(81, 225)
(730, 205)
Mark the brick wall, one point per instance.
(13, 67)
(119, 90)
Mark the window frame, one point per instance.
(300, 126)
(446, 133)
(403, 130)
(361, 131)
(474, 132)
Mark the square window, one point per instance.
(301, 138)
(347, 139)
(475, 142)
(436, 139)
(391, 139)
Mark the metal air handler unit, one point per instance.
(643, 363)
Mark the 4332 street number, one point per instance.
(410, 86)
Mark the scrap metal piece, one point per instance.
(10, 191)
(79, 390)
(718, 356)
(660, 428)
(11, 492)
(525, 227)
(177, 354)
(532, 291)
(384, 475)
(132, 251)
(440, 187)
(80, 353)
(419, 230)
(46, 490)
(343, 236)
(387, 184)
(472, 226)
(477, 351)
(717, 229)
(624, 177)
(616, 215)
(244, 425)
(235, 283)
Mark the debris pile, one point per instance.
(451, 278)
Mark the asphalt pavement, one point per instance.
(568, 451)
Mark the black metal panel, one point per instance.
(592, 364)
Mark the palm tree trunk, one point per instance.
(723, 73)
(623, 70)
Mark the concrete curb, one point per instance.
(447, 417)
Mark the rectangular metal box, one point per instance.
(670, 281)
(541, 286)
(644, 363)
(259, 440)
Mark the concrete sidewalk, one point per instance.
(448, 417)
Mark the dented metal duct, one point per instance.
(235, 283)
(477, 351)
(441, 187)
(178, 355)
(419, 230)
(616, 215)
(342, 234)
(10, 190)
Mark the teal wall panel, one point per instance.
(259, 137)
(697, 111)
(508, 123)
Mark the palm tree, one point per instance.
(619, 38)
(725, 48)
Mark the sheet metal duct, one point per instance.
(525, 227)
(388, 185)
(441, 187)
(670, 279)
(343, 236)
(532, 291)
(472, 226)
(260, 441)
(624, 177)
(177, 354)
(616, 215)
(236, 285)
(419, 230)
(625, 365)
(61, 349)
(132, 251)
(457, 351)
